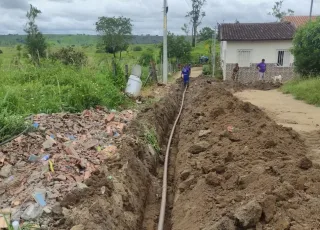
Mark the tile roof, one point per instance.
(298, 21)
(256, 31)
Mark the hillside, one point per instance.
(79, 39)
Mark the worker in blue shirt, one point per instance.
(185, 74)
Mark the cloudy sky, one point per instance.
(79, 16)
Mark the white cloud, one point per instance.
(79, 16)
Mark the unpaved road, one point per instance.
(287, 111)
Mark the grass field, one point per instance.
(307, 90)
(54, 87)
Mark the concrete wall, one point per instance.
(259, 50)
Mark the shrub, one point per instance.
(69, 56)
(137, 48)
(306, 49)
(1, 52)
(145, 58)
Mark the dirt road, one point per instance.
(287, 111)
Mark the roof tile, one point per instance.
(256, 31)
(298, 21)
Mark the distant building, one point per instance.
(248, 43)
(298, 21)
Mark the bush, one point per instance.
(1, 52)
(306, 49)
(69, 56)
(206, 70)
(137, 48)
(145, 59)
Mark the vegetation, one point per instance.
(178, 48)
(195, 16)
(115, 33)
(277, 11)
(306, 50)
(69, 56)
(205, 33)
(185, 28)
(304, 89)
(35, 42)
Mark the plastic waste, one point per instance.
(39, 195)
(51, 166)
(15, 225)
(45, 157)
(33, 158)
(35, 125)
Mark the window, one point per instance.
(244, 58)
(283, 58)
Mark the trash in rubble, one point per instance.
(35, 125)
(15, 225)
(230, 128)
(116, 134)
(71, 137)
(103, 189)
(33, 158)
(51, 166)
(45, 157)
(52, 136)
(110, 177)
(39, 195)
(48, 143)
(32, 212)
(90, 144)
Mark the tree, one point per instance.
(178, 47)
(196, 16)
(115, 33)
(35, 41)
(306, 49)
(277, 13)
(185, 28)
(236, 21)
(205, 34)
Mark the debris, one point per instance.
(33, 158)
(40, 195)
(269, 207)
(103, 189)
(81, 185)
(47, 210)
(61, 178)
(110, 117)
(213, 179)
(15, 225)
(78, 227)
(185, 174)
(35, 125)
(6, 171)
(90, 144)
(5, 216)
(305, 163)
(248, 215)
(48, 143)
(51, 166)
(45, 157)
(204, 133)
(32, 212)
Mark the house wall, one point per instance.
(259, 50)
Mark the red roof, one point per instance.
(298, 21)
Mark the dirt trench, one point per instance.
(127, 187)
(231, 167)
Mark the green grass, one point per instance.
(307, 90)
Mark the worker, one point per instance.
(262, 67)
(185, 74)
(235, 72)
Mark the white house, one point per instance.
(248, 43)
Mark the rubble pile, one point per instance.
(38, 168)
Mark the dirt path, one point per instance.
(287, 111)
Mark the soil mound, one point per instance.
(238, 169)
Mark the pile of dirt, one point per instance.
(238, 169)
(258, 85)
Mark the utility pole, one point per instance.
(213, 50)
(311, 10)
(165, 44)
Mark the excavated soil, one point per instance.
(259, 85)
(231, 168)
(118, 193)
(237, 169)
